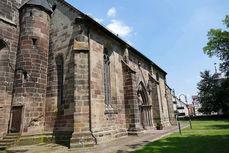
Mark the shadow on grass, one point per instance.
(226, 126)
(188, 144)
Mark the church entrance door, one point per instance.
(144, 107)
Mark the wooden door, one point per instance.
(16, 120)
(146, 115)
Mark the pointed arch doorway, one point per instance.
(145, 108)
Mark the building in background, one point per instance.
(180, 106)
(196, 104)
(191, 109)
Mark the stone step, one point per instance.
(10, 137)
(14, 134)
(3, 147)
(7, 140)
(6, 143)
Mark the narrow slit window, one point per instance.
(107, 78)
(54, 7)
(34, 42)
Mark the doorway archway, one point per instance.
(144, 107)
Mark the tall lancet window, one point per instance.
(107, 78)
(60, 74)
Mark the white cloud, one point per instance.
(111, 12)
(98, 20)
(119, 28)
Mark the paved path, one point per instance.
(122, 145)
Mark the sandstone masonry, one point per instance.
(64, 78)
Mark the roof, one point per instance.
(114, 36)
(179, 100)
(125, 43)
(41, 3)
(194, 97)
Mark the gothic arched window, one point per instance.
(107, 78)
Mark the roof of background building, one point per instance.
(194, 97)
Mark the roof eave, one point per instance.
(122, 41)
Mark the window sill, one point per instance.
(110, 110)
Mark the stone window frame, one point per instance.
(107, 84)
(6, 45)
(107, 78)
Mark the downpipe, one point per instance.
(90, 108)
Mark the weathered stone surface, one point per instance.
(9, 36)
(32, 58)
(80, 45)
(74, 80)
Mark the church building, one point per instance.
(65, 78)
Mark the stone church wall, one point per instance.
(107, 121)
(64, 94)
(157, 97)
(31, 73)
(59, 111)
(9, 34)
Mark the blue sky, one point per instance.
(171, 33)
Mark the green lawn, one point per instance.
(205, 137)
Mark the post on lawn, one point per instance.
(179, 127)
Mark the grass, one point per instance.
(205, 137)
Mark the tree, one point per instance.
(222, 94)
(214, 94)
(218, 45)
(207, 95)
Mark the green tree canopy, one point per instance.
(207, 95)
(213, 92)
(218, 45)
